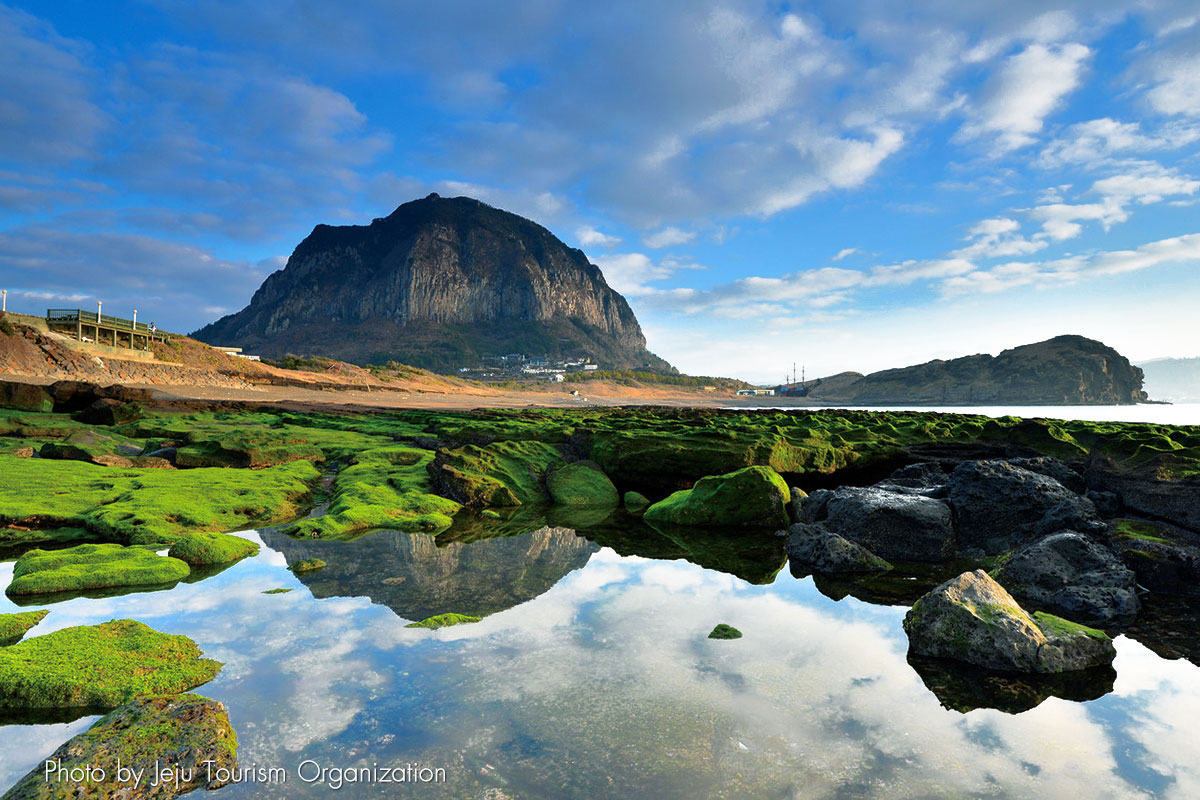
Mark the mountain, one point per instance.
(1065, 370)
(440, 283)
(1174, 379)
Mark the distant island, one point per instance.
(1065, 370)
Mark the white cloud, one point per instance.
(1177, 85)
(629, 273)
(1175, 250)
(668, 237)
(1060, 221)
(1095, 141)
(996, 237)
(588, 236)
(1143, 182)
(845, 253)
(1027, 88)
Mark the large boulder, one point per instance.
(749, 497)
(25, 397)
(893, 525)
(581, 484)
(107, 411)
(813, 548)
(999, 505)
(185, 735)
(1072, 575)
(972, 618)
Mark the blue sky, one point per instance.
(852, 184)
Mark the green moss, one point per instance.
(277, 590)
(1135, 530)
(15, 626)
(1054, 626)
(203, 548)
(185, 734)
(99, 666)
(307, 565)
(723, 631)
(147, 506)
(443, 620)
(505, 473)
(92, 566)
(387, 487)
(581, 484)
(753, 496)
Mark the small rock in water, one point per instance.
(723, 631)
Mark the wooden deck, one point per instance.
(88, 326)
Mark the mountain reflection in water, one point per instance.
(418, 576)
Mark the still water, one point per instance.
(591, 676)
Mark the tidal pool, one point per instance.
(591, 676)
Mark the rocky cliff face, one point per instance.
(1065, 370)
(438, 283)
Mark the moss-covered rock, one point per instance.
(186, 736)
(443, 621)
(499, 474)
(99, 666)
(754, 496)
(636, 502)
(25, 397)
(277, 590)
(972, 618)
(385, 487)
(92, 566)
(202, 548)
(581, 484)
(15, 626)
(723, 631)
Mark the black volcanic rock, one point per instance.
(439, 283)
(1065, 370)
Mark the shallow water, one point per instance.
(593, 677)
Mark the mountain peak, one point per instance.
(438, 283)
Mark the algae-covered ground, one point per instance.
(92, 566)
(414, 470)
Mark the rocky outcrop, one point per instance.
(439, 283)
(1065, 370)
(972, 618)
(813, 548)
(754, 497)
(891, 524)
(186, 736)
(998, 505)
(1074, 576)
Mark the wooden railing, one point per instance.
(91, 318)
